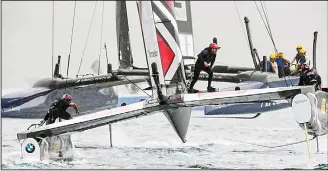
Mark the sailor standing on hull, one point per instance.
(58, 109)
(204, 62)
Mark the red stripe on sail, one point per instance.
(166, 54)
(170, 3)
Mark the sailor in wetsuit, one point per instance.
(204, 62)
(310, 77)
(58, 109)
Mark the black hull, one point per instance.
(58, 83)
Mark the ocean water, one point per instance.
(151, 143)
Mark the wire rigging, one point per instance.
(101, 36)
(241, 23)
(266, 27)
(86, 41)
(277, 146)
(137, 86)
(53, 42)
(268, 23)
(70, 48)
(266, 15)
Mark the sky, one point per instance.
(27, 35)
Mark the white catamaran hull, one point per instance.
(45, 148)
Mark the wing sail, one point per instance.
(162, 44)
(123, 37)
(184, 21)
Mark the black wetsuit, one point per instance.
(205, 56)
(310, 77)
(57, 109)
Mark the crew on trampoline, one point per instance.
(58, 109)
(271, 65)
(310, 77)
(300, 59)
(282, 65)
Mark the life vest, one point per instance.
(269, 67)
(280, 62)
(206, 56)
(300, 58)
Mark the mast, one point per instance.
(123, 37)
(251, 43)
(315, 49)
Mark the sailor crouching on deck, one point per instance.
(58, 109)
(310, 77)
(204, 62)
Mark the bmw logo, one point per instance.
(30, 148)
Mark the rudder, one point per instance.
(180, 119)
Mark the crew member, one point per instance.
(300, 58)
(310, 77)
(271, 63)
(204, 62)
(58, 109)
(282, 65)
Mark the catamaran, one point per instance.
(34, 102)
(169, 95)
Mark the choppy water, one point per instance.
(150, 142)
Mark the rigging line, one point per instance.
(274, 45)
(259, 145)
(268, 23)
(241, 23)
(267, 20)
(119, 39)
(85, 44)
(53, 40)
(137, 86)
(266, 17)
(101, 36)
(266, 26)
(70, 48)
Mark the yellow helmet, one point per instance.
(280, 54)
(299, 47)
(272, 56)
(303, 51)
